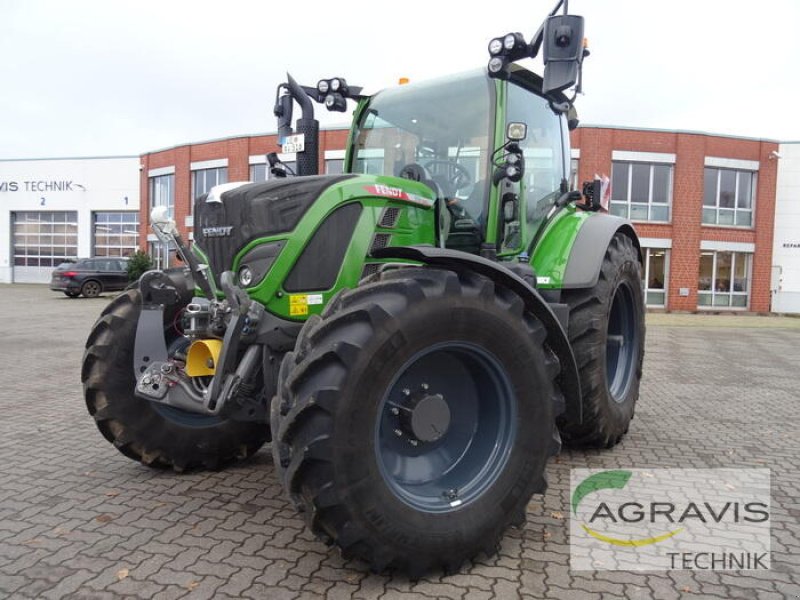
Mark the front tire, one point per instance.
(607, 331)
(414, 420)
(157, 435)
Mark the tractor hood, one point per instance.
(253, 210)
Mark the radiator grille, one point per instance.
(389, 217)
(381, 240)
(370, 269)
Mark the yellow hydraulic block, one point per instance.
(202, 357)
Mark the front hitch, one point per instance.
(160, 379)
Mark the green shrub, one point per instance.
(138, 264)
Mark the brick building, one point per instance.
(703, 205)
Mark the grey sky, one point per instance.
(87, 78)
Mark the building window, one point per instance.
(728, 197)
(334, 166)
(44, 238)
(260, 172)
(204, 179)
(115, 233)
(162, 193)
(724, 279)
(163, 256)
(656, 267)
(574, 163)
(641, 191)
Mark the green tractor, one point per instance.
(415, 336)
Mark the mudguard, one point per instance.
(556, 336)
(589, 248)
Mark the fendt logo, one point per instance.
(670, 518)
(210, 232)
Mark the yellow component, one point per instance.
(403, 81)
(296, 310)
(634, 543)
(298, 305)
(202, 357)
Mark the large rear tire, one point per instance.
(414, 420)
(155, 434)
(607, 331)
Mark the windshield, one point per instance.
(444, 126)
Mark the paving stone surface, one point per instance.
(79, 520)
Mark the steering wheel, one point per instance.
(456, 175)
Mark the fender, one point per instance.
(583, 266)
(455, 260)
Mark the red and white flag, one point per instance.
(605, 191)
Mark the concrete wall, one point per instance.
(786, 247)
(84, 185)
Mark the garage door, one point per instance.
(41, 241)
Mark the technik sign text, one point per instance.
(41, 185)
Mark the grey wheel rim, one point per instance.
(622, 343)
(91, 289)
(445, 427)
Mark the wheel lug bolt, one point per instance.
(406, 392)
(398, 433)
(413, 442)
(425, 386)
(395, 411)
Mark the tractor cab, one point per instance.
(459, 135)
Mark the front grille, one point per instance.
(370, 269)
(389, 217)
(381, 240)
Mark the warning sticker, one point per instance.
(298, 305)
(315, 298)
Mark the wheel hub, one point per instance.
(424, 416)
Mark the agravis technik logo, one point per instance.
(670, 519)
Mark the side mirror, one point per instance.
(283, 111)
(562, 52)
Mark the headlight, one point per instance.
(245, 276)
(496, 65)
(509, 41)
(335, 84)
(495, 46)
(323, 86)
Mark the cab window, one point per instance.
(543, 150)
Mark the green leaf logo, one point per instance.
(611, 480)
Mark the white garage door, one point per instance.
(41, 241)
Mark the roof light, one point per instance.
(495, 46)
(496, 64)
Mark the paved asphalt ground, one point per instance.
(78, 519)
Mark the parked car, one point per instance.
(90, 276)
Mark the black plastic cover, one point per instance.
(321, 259)
(221, 229)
